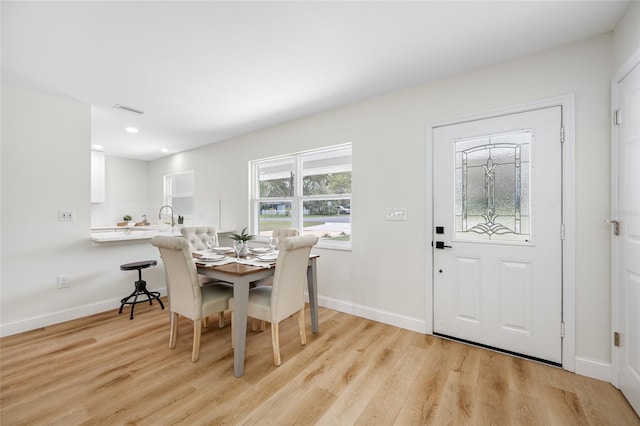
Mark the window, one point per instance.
(179, 193)
(310, 191)
(492, 187)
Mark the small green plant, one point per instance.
(242, 236)
(126, 218)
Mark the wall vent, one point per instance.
(126, 108)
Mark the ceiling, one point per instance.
(206, 71)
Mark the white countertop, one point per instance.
(131, 235)
(123, 234)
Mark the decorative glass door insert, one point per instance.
(492, 187)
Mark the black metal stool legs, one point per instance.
(141, 289)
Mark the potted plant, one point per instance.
(125, 220)
(245, 238)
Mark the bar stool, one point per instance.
(141, 286)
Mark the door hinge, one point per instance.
(562, 330)
(562, 134)
(616, 338)
(562, 232)
(617, 117)
(616, 226)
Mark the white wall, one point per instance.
(383, 276)
(126, 192)
(45, 168)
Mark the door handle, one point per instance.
(440, 245)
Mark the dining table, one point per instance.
(241, 273)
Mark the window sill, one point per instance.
(334, 245)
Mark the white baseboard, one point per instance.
(593, 368)
(385, 317)
(21, 326)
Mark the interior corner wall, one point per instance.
(626, 36)
(384, 276)
(46, 144)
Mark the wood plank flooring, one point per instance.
(108, 370)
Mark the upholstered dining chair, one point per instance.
(286, 296)
(197, 236)
(186, 296)
(283, 233)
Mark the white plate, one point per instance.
(222, 249)
(259, 250)
(268, 257)
(210, 258)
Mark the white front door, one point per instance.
(497, 252)
(626, 244)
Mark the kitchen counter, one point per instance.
(111, 235)
(128, 235)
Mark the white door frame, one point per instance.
(615, 283)
(568, 213)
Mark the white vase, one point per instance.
(245, 248)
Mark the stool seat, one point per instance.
(141, 286)
(138, 265)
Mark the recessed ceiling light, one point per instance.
(131, 130)
(98, 147)
(164, 150)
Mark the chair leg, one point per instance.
(275, 342)
(197, 330)
(221, 319)
(263, 325)
(303, 333)
(254, 324)
(205, 322)
(173, 330)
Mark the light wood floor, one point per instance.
(108, 370)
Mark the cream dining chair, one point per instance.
(286, 296)
(186, 296)
(281, 234)
(197, 236)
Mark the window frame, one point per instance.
(298, 199)
(168, 195)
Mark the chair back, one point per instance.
(283, 233)
(197, 236)
(287, 294)
(183, 286)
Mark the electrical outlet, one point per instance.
(64, 280)
(66, 215)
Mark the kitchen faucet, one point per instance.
(160, 214)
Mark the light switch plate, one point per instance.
(396, 214)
